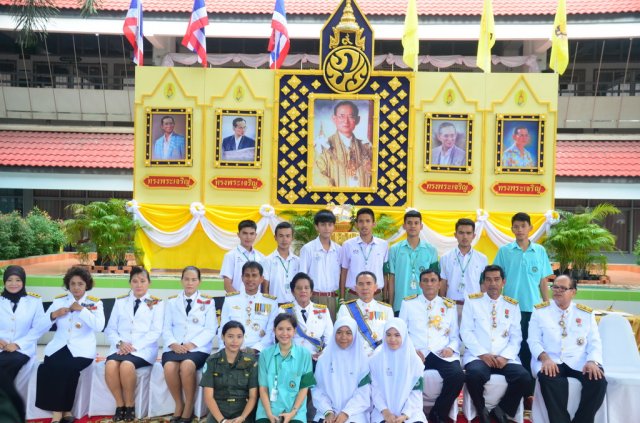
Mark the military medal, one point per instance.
(256, 327)
(580, 341)
(195, 320)
(414, 285)
(563, 326)
(261, 333)
(248, 322)
(505, 334)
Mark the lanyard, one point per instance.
(463, 269)
(286, 268)
(366, 256)
(245, 256)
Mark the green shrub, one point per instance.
(16, 237)
(636, 250)
(47, 234)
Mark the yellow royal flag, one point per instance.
(559, 59)
(487, 37)
(410, 41)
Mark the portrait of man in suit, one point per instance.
(238, 146)
(169, 145)
(447, 152)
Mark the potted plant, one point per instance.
(577, 241)
(105, 227)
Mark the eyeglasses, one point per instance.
(560, 288)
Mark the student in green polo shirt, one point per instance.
(284, 376)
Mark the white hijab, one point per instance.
(396, 372)
(339, 371)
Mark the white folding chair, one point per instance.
(621, 362)
(431, 391)
(102, 403)
(539, 412)
(22, 378)
(494, 390)
(161, 402)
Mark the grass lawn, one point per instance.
(112, 281)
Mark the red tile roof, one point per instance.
(370, 7)
(598, 158)
(66, 149)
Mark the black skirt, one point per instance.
(12, 362)
(58, 380)
(135, 360)
(198, 358)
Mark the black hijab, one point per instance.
(19, 272)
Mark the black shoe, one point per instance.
(434, 418)
(175, 419)
(129, 414)
(67, 419)
(483, 416)
(118, 416)
(186, 419)
(499, 414)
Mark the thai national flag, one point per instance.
(195, 39)
(132, 29)
(279, 42)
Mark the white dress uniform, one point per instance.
(358, 256)
(142, 330)
(279, 272)
(462, 272)
(234, 260)
(256, 313)
(24, 326)
(318, 324)
(484, 333)
(199, 327)
(76, 329)
(580, 344)
(375, 314)
(432, 325)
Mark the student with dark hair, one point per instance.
(22, 321)
(78, 317)
(281, 265)
(320, 259)
(231, 270)
(189, 324)
(133, 330)
(230, 379)
(255, 310)
(284, 376)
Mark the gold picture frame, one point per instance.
(165, 144)
(520, 144)
(238, 138)
(454, 131)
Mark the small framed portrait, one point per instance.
(238, 138)
(448, 143)
(168, 137)
(520, 144)
(343, 143)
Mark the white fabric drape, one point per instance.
(229, 240)
(261, 59)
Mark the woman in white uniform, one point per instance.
(343, 390)
(396, 377)
(78, 317)
(190, 324)
(133, 331)
(22, 322)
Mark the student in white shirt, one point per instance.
(234, 259)
(281, 265)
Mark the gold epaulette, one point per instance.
(384, 304)
(122, 296)
(542, 305)
(33, 294)
(287, 305)
(350, 301)
(232, 293)
(269, 296)
(584, 308)
(172, 297)
(209, 297)
(154, 298)
(60, 296)
(246, 358)
(92, 298)
(476, 295)
(510, 300)
(411, 297)
(320, 306)
(448, 302)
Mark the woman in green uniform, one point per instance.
(230, 379)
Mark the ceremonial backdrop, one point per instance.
(215, 146)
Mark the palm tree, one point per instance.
(578, 240)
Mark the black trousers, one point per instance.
(518, 381)
(12, 362)
(452, 382)
(555, 391)
(525, 352)
(58, 380)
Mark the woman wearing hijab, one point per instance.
(22, 322)
(343, 391)
(396, 377)
(78, 317)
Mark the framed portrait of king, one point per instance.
(520, 143)
(448, 142)
(168, 137)
(238, 138)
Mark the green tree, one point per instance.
(578, 239)
(107, 226)
(47, 234)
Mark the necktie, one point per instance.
(304, 315)
(135, 307)
(15, 305)
(188, 309)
